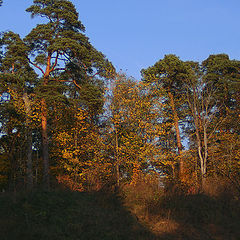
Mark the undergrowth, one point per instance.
(179, 215)
(144, 211)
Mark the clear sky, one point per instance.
(134, 34)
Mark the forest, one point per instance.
(160, 154)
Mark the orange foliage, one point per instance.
(69, 183)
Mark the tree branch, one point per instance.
(76, 84)
(57, 69)
(55, 63)
(35, 65)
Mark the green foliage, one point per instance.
(16, 51)
(63, 36)
(57, 10)
(71, 60)
(222, 75)
(17, 82)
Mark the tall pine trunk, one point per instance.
(176, 126)
(29, 142)
(45, 145)
(29, 160)
(45, 148)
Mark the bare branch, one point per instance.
(216, 126)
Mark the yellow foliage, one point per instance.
(135, 126)
(80, 156)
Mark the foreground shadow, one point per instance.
(68, 215)
(65, 215)
(197, 217)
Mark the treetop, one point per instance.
(62, 12)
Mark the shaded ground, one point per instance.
(195, 217)
(67, 215)
(72, 215)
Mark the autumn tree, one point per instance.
(133, 129)
(78, 151)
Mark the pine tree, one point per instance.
(167, 76)
(17, 79)
(63, 55)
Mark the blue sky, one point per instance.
(134, 34)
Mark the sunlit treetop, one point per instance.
(62, 39)
(61, 33)
(62, 12)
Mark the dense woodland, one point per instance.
(68, 120)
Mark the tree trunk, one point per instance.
(29, 142)
(29, 160)
(44, 129)
(176, 126)
(12, 160)
(200, 126)
(45, 145)
(205, 140)
(117, 162)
